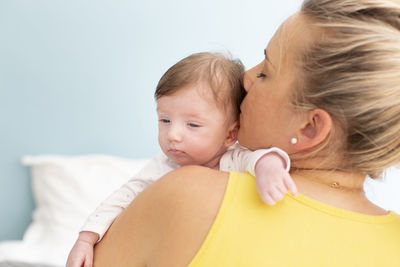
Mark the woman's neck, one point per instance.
(337, 188)
(321, 171)
(334, 179)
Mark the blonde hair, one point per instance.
(353, 72)
(221, 73)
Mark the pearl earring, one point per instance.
(293, 140)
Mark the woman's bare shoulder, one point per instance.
(176, 213)
(192, 197)
(194, 179)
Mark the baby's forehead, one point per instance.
(210, 91)
(213, 93)
(221, 97)
(202, 91)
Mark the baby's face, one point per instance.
(192, 129)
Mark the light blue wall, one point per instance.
(78, 77)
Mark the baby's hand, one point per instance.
(272, 180)
(82, 252)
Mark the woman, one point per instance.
(327, 92)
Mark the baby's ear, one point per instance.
(232, 134)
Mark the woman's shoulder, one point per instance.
(191, 197)
(198, 189)
(176, 213)
(196, 178)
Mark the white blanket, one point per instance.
(18, 252)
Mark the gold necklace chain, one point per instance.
(334, 184)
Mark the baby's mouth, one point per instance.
(176, 152)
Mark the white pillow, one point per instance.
(67, 189)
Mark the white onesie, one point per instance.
(236, 158)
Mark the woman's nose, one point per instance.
(249, 77)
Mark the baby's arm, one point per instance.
(269, 166)
(100, 220)
(273, 180)
(82, 252)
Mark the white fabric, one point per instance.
(236, 158)
(66, 189)
(20, 251)
(239, 158)
(101, 219)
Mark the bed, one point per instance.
(66, 190)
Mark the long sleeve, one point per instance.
(238, 158)
(101, 219)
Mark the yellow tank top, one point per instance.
(295, 232)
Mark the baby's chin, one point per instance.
(182, 160)
(186, 161)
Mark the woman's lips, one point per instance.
(176, 152)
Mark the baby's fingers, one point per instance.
(281, 188)
(75, 262)
(290, 185)
(275, 194)
(88, 262)
(267, 198)
(89, 258)
(278, 192)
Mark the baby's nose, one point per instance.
(175, 134)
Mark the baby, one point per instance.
(198, 102)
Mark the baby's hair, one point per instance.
(353, 72)
(222, 74)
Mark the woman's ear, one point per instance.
(232, 134)
(315, 129)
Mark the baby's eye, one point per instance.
(164, 121)
(261, 75)
(194, 125)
